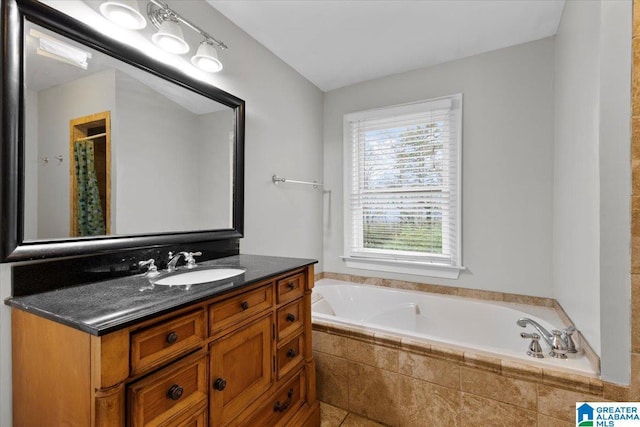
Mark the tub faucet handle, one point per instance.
(568, 338)
(558, 345)
(534, 349)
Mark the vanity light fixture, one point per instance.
(169, 36)
(51, 47)
(124, 13)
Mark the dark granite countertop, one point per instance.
(103, 307)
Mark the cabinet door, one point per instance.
(241, 370)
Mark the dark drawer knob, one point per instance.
(175, 392)
(220, 384)
(244, 305)
(281, 407)
(172, 338)
(291, 353)
(290, 317)
(291, 285)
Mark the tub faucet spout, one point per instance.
(541, 330)
(557, 340)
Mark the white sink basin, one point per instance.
(199, 276)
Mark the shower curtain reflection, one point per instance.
(89, 217)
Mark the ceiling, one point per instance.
(335, 43)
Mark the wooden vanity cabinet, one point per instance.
(243, 358)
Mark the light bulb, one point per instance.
(206, 58)
(123, 13)
(170, 38)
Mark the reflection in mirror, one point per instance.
(110, 149)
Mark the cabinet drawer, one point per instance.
(166, 341)
(290, 319)
(282, 405)
(290, 355)
(165, 396)
(225, 313)
(290, 288)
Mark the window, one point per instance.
(402, 188)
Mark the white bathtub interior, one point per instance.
(469, 324)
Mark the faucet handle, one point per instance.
(558, 346)
(534, 349)
(571, 345)
(152, 270)
(532, 336)
(189, 258)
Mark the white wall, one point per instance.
(592, 176)
(576, 188)
(56, 107)
(615, 190)
(507, 163)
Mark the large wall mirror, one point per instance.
(117, 151)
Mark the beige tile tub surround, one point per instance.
(400, 382)
(633, 392)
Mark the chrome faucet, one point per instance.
(188, 257)
(560, 342)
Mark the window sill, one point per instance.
(404, 267)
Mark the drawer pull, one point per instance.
(291, 353)
(175, 392)
(291, 285)
(283, 407)
(290, 317)
(220, 384)
(244, 305)
(172, 338)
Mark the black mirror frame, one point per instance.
(12, 118)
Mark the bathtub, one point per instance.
(466, 324)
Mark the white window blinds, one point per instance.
(402, 183)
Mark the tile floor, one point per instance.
(332, 416)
